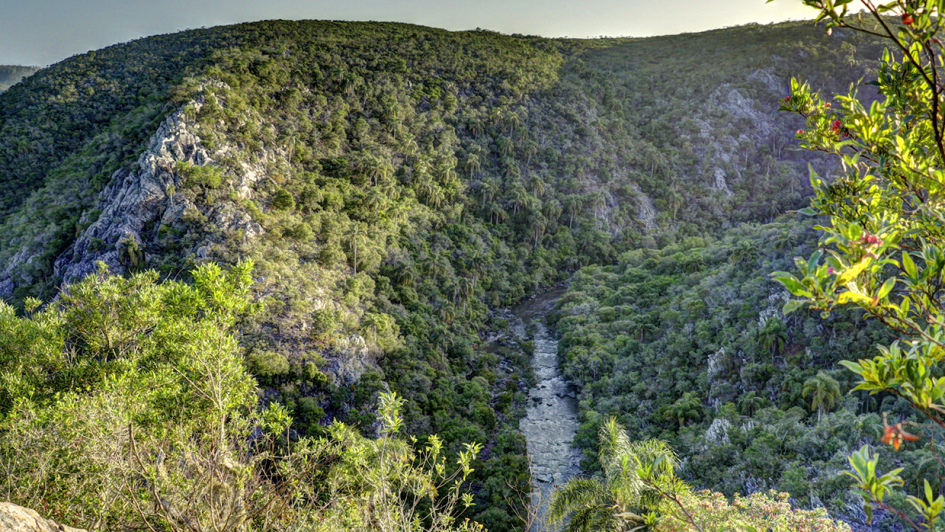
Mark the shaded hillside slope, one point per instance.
(12, 74)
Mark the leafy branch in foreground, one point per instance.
(126, 405)
(640, 491)
(884, 251)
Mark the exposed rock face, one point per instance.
(135, 198)
(15, 518)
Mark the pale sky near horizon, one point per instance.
(43, 32)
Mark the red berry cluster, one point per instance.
(871, 240)
(907, 19)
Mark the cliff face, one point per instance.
(135, 199)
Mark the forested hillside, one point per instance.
(393, 184)
(10, 75)
(688, 344)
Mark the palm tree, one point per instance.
(636, 475)
(531, 149)
(520, 197)
(750, 403)
(357, 233)
(573, 203)
(686, 408)
(505, 145)
(375, 200)
(464, 290)
(495, 116)
(487, 189)
(537, 186)
(552, 210)
(784, 240)
(824, 391)
(445, 170)
(513, 120)
(435, 196)
(539, 224)
(473, 164)
(774, 335)
(497, 212)
(598, 200)
(745, 251)
(378, 169)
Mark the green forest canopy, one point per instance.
(393, 183)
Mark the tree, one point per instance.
(131, 408)
(886, 224)
(823, 391)
(686, 408)
(357, 233)
(774, 335)
(473, 164)
(639, 491)
(386, 485)
(756, 513)
(375, 200)
(129, 349)
(625, 497)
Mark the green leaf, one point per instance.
(853, 297)
(909, 266)
(792, 284)
(814, 259)
(852, 366)
(886, 288)
(854, 271)
(792, 306)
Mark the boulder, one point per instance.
(15, 518)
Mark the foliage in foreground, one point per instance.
(126, 404)
(688, 344)
(635, 476)
(884, 237)
(640, 491)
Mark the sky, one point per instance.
(43, 32)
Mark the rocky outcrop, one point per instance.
(134, 198)
(15, 518)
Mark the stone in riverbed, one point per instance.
(15, 518)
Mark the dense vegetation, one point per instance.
(882, 247)
(126, 405)
(640, 490)
(688, 344)
(392, 183)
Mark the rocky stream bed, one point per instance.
(551, 416)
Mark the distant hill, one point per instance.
(11, 75)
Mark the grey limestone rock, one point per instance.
(15, 518)
(135, 198)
